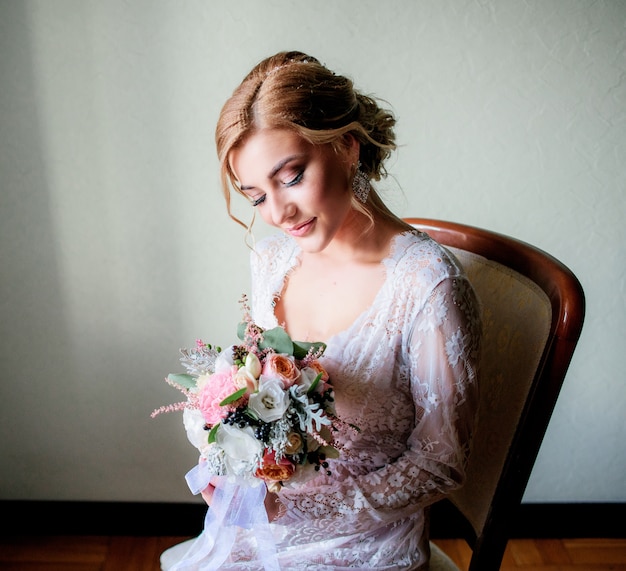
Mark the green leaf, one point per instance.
(278, 340)
(213, 433)
(329, 451)
(314, 384)
(182, 379)
(301, 348)
(251, 414)
(235, 396)
(241, 330)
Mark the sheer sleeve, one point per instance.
(439, 356)
(442, 353)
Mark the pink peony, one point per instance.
(217, 387)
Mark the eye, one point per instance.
(295, 180)
(257, 201)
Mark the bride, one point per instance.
(395, 309)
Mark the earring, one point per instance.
(360, 184)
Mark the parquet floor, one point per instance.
(124, 553)
(550, 554)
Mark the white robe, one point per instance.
(405, 373)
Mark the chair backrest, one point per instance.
(533, 310)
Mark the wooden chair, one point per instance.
(533, 310)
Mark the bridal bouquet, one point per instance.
(262, 409)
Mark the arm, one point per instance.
(439, 354)
(443, 357)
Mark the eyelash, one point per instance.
(295, 180)
(288, 184)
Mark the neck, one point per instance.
(354, 245)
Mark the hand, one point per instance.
(207, 493)
(273, 506)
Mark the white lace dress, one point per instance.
(405, 374)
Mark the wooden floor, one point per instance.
(124, 553)
(550, 554)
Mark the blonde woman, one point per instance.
(396, 311)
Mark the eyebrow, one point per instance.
(277, 167)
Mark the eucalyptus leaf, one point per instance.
(235, 396)
(278, 340)
(241, 330)
(182, 379)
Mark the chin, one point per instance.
(311, 246)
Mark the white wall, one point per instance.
(116, 250)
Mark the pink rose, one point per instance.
(281, 367)
(216, 388)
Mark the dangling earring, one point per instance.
(360, 184)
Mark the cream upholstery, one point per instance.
(516, 321)
(533, 310)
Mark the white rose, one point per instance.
(271, 400)
(224, 361)
(194, 425)
(307, 376)
(243, 451)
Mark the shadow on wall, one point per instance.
(87, 293)
(35, 348)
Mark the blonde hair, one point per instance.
(291, 90)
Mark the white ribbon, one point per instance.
(234, 504)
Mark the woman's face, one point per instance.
(301, 188)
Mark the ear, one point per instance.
(353, 148)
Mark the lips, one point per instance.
(301, 229)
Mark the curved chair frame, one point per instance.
(489, 538)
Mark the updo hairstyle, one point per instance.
(292, 90)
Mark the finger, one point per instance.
(207, 493)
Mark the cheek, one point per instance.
(339, 182)
(339, 195)
(265, 215)
(333, 189)
(265, 210)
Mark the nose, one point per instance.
(282, 210)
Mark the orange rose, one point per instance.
(270, 471)
(281, 367)
(317, 367)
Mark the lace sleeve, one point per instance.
(443, 356)
(440, 355)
